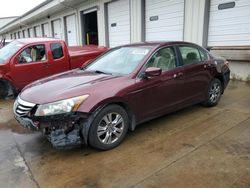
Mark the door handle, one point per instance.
(177, 75)
(46, 65)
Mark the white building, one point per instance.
(222, 25)
(5, 20)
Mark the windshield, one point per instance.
(119, 61)
(7, 51)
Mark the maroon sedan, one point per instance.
(126, 86)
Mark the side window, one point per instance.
(164, 58)
(190, 55)
(204, 55)
(57, 50)
(31, 54)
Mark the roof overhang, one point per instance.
(43, 10)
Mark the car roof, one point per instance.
(157, 44)
(37, 39)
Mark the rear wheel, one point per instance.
(214, 93)
(3, 90)
(109, 128)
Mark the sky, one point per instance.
(17, 7)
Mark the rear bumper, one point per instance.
(226, 78)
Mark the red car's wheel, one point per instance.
(3, 90)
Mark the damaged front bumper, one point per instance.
(63, 130)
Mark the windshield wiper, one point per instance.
(101, 72)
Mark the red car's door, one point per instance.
(29, 65)
(158, 95)
(58, 58)
(196, 74)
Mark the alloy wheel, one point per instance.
(110, 128)
(215, 92)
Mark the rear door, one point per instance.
(58, 58)
(196, 72)
(30, 64)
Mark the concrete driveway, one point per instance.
(195, 147)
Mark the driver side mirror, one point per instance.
(152, 72)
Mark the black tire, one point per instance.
(214, 93)
(101, 127)
(3, 90)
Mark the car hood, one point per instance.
(65, 85)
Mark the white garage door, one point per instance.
(57, 29)
(24, 34)
(31, 32)
(37, 31)
(229, 23)
(119, 22)
(19, 34)
(164, 19)
(45, 29)
(71, 30)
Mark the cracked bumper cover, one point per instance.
(61, 130)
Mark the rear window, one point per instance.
(190, 55)
(57, 50)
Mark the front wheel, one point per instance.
(214, 93)
(108, 128)
(3, 90)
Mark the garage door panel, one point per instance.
(215, 3)
(119, 22)
(164, 20)
(45, 28)
(173, 35)
(163, 29)
(157, 3)
(240, 28)
(57, 29)
(230, 26)
(163, 8)
(224, 14)
(71, 30)
(231, 37)
(229, 43)
(38, 31)
(230, 22)
(167, 23)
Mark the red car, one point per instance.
(26, 60)
(126, 86)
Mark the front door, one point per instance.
(29, 65)
(160, 94)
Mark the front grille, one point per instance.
(22, 108)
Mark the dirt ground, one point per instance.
(194, 147)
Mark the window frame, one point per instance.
(55, 59)
(177, 62)
(33, 62)
(199, 51)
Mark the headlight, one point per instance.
(60, 107)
